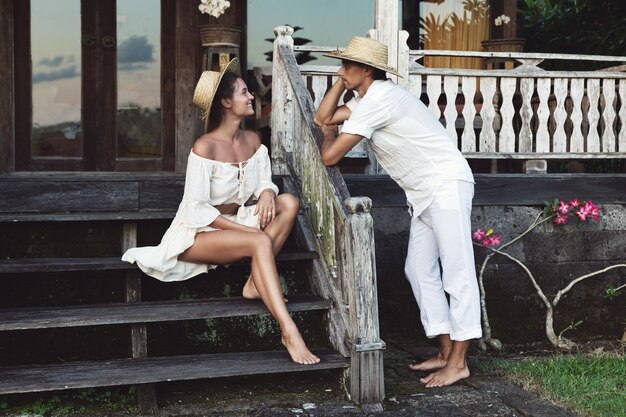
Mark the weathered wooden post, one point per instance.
(366, 372)
(282, 104)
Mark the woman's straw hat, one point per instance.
(366, 51)
(207, 87)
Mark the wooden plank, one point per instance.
(593, 115)
(415, 85)
(433, 91)
(622, 116)
(82, 217)
(516, 74)
(608, 116)
(23, 265)
(451, 88)
(468, 138)
(542, 143)
(161, 195)
(505, 189)
(506, 139)
(513, 55)
(146, 312)
(72, 375)
(52, 196)
(559, 138)
(168, 84)
(23, 81)
(577, 141)
(527, 87)
(487, 142)
(13, 266)
(7, 98)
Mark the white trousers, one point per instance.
(443, 232)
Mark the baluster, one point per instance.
(487, 141)
(506, 139)
(415, 85)
(433, 89)
(577, 89)
(319, 87)
(543, 114)
(593, 95)
(451, 88)
(608, 114)
(622, 116)
(559, 138)
(527, 87)
(468, 138)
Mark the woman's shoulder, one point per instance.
(252, 139)
(204, 147)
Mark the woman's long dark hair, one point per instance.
(225, 90)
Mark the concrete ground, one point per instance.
(319, 394)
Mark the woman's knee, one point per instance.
(261, 241)
(288, 203)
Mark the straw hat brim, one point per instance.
(349, 57)
(209, 88)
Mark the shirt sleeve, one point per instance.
(367, 116)
(265, 173)
(196, 209)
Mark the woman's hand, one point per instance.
(266, 208)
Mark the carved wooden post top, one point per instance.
(358, 204)
(283, 31)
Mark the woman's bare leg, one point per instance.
(278, 230)
(227, 246)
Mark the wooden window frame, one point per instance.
(99, 93)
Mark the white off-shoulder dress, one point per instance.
(208, 183)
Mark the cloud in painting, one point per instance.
(134, 53)
(68, 72)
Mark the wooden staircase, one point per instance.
(135, 314)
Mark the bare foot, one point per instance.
(429, 365)
(250, 292)
(447, 375)
(297, 349)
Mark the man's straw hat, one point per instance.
(207, 87)
(366, 51)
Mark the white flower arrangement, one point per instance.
(502, 19)
(215, 8)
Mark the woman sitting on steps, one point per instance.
(218, 222)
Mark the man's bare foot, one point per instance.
(447, 375)
(297, 349)
(250, 292)
(429, 365)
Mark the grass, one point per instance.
(590, 385)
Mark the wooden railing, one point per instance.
(524, 113)
(342, 226)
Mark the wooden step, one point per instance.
(70, 375)
(146, 312)
(11, 266)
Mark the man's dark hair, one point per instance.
(377, 74)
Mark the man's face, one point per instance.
(352, 74)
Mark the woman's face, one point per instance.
(241, 101)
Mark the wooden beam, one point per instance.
(506, 189)
(7, 86)
(187, 50)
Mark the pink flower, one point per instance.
(574, 203)
(478, 234)
(563, 207)
(582, 214)
(589, 209)
(493, 240)
(560, 218)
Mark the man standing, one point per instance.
(415, 150)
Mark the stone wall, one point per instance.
(555, 254)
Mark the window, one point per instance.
(94, 88)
